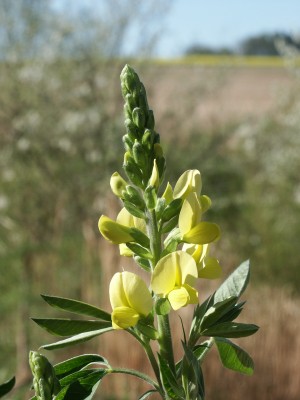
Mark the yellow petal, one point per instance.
(117, 184)
(168, 194)
(164, 276)
(125, 251)
(137, 293)
(125, 218)
(113, 231)
(178, 297)
(205, 202)
(124, 317)
(173, 270)
(202, 233)
(117, 294)
(154, 178)
(189, 181)
(193, 294)
(187, 267)
(210, 269)
(190, 213)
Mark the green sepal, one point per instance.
(147, 330)
(150, 120)
(132, 195)
(162, 306)
(172, 209)
(133, 210)
(171, 224)
(76, 307)
(7, 386)
(132, 129)
(134, 174)
(128, 142)
(143, 263)
(160, 206)
(172, 246)
(140, 156)
(68, 327)
(234, 357)
(147, 139)
(138, 117)
(230, 330)
(161, 166)
(139, 250)
(150, 197)
(140, 237)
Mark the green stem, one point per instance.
(208, 346)
(165, 337)
(135, 373)
(165, 340)
(150, 355)
(155, 237)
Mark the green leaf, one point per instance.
(82, 337)
(143, 263)
(200, 349)
(77, 307)
(169, 381)
(7, 386)
(77, 363)
(230, 330)
(68, 327)
(82, 389)
(162, 306)
(233, 357)
(217, 311)
(82, 374)
(235, 284)
(147, 394)
(233, 313)
(192, 365)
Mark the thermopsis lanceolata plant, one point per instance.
(163, 230)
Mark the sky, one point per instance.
(216, 23)
(224, 22)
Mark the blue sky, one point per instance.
(224, 22)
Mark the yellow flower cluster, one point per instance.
(174, 276)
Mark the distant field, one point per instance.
(229, 60)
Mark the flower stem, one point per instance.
(138, 374)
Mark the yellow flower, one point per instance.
(174, 277)
(208, 267)
(191, 228)
(188, 182)
(130, 299)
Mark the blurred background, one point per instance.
(223, 81)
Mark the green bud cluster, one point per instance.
(45, 383)
(141, 141)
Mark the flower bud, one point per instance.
(117, 184)
(139, 155)
(154, 179)
(150, 197)
(150, 120)
(138, 117)
(113, 231)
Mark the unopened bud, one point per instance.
(154, 179)
(117, 184)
